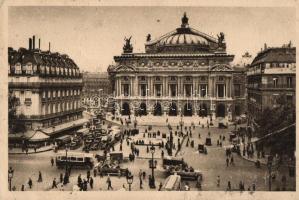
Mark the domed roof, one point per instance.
(183, 39)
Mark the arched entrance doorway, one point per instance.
(172, 109)
(203, 110)
(220, 110)
(125, 110)
(188, 109)
(157, 109)
(142, 109)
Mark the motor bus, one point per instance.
(74, 160)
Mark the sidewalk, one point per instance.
(30, 150)
(173, 121)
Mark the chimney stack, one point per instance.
(33, 38)
(265, 46)
(30, 43)
(49, 46)
(39, 43)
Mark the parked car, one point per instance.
(202, 148)
(186, 175)
(232, 136)
(116, 170)
(208, 141)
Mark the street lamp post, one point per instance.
(10, 176)
(130, 180)
(66, 177)
(153, 165)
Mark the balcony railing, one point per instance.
(270, 86)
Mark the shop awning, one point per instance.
(39, 136)
(63, 127)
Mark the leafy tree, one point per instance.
(16, 124)
(275, 118)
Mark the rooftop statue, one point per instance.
(185, 21)
(128, 48)
(148, 37)
(220, 38)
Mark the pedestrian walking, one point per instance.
(30, 183)
(232, 160)
(61, 178)
(162, 154)
(218, 181)
(91, 182)
(140, 183)
(54, 184)
(227, 161)
(94, 172)
(143, 175)
(40, 178)
(88, 175)
(79, 180)
(23, 188)
(109, 184)
(52, 162)
(253, 186)
(160, 186)
(229, 187)
(85, 185)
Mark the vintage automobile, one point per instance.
(74, 145)
(186, 174)
(208, 141)
(169, 162)
(232, 136)
(116, 156)
(113, 170)
(100, 157)
(202, 148)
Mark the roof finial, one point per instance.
(185, 21)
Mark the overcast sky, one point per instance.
(93, 35)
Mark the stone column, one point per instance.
(211, 86)
(136, 86)
(117, 86)
(131, 86)
(166, 87)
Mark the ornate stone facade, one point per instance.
(47, 86)
(183, 72)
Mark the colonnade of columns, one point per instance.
(210, 86)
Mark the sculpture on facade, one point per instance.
(148, 37)
(128, 48)
(220, 38)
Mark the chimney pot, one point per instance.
(33, 38)
(30, 43)
(39, 43)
